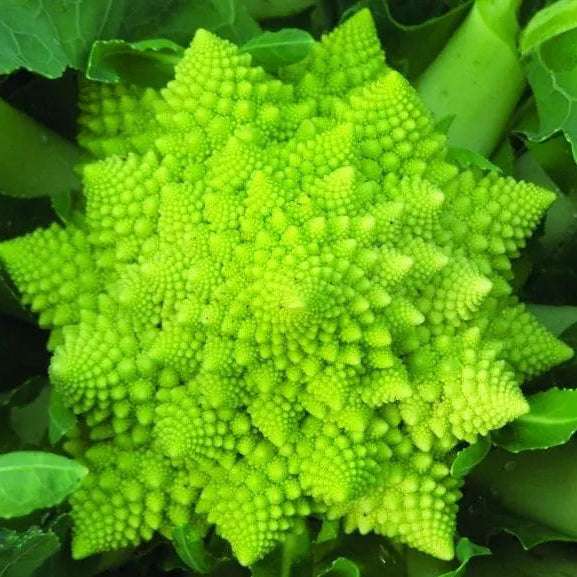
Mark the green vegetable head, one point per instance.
(279, 302)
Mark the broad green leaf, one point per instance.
(470, 457)
(547, 23)
(189, 544)
(465, 157)
(556, 319)
(271, 50)
(529, 533)
(31, 480)
(46, 36)
(465, 551)
(341, 567)
(35, 161)
(550, 422)
(552, 73)
(22, 553)
(177, 20)
(536, 486)
(146, 63)
(509, 560)
(60, 418)
(262, 9)
(30, 421)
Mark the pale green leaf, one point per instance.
(272, 50)
(470, 457)
(31, 480)
(551, 21)
(550, 422)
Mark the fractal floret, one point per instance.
(279, 301)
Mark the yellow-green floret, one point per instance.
(280, 301)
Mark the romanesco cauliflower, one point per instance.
(280, 301)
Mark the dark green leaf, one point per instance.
(465, 551)
(466, 158)
(60, 418)
(341, 567)
(529, 533)
(62, 205)
(48, 36)
(189, 544)
(261, 9)
(271, 50)
(556, 319)
(470, 457)
(550, 422)
(31, 480)
(177, 20)
(22, 553)
(35, 161)
(412, 48)
(30, 421)
(509, 560)
(535, 486)
(146, 63)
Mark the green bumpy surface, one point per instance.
(280, 301)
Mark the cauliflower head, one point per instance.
(280, 301)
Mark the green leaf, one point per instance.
(465, 551)
(46, 37)
(465, 157)
(550, 422)
(469, 457)
(547, 23)
(146, 63)
(329, 531)
(528, 533)
(60, 418)
(271, 50)
(30, 421)
(189, 544)
(62, 205)
(556, 319)
(341, 567)
(265, 9)
(22, 553)
(509, 560)
(552, 73)
(31, 480)
(177, 20)
(535, 486)
(35, 161)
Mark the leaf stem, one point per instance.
(477, 77)
(34, 161)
